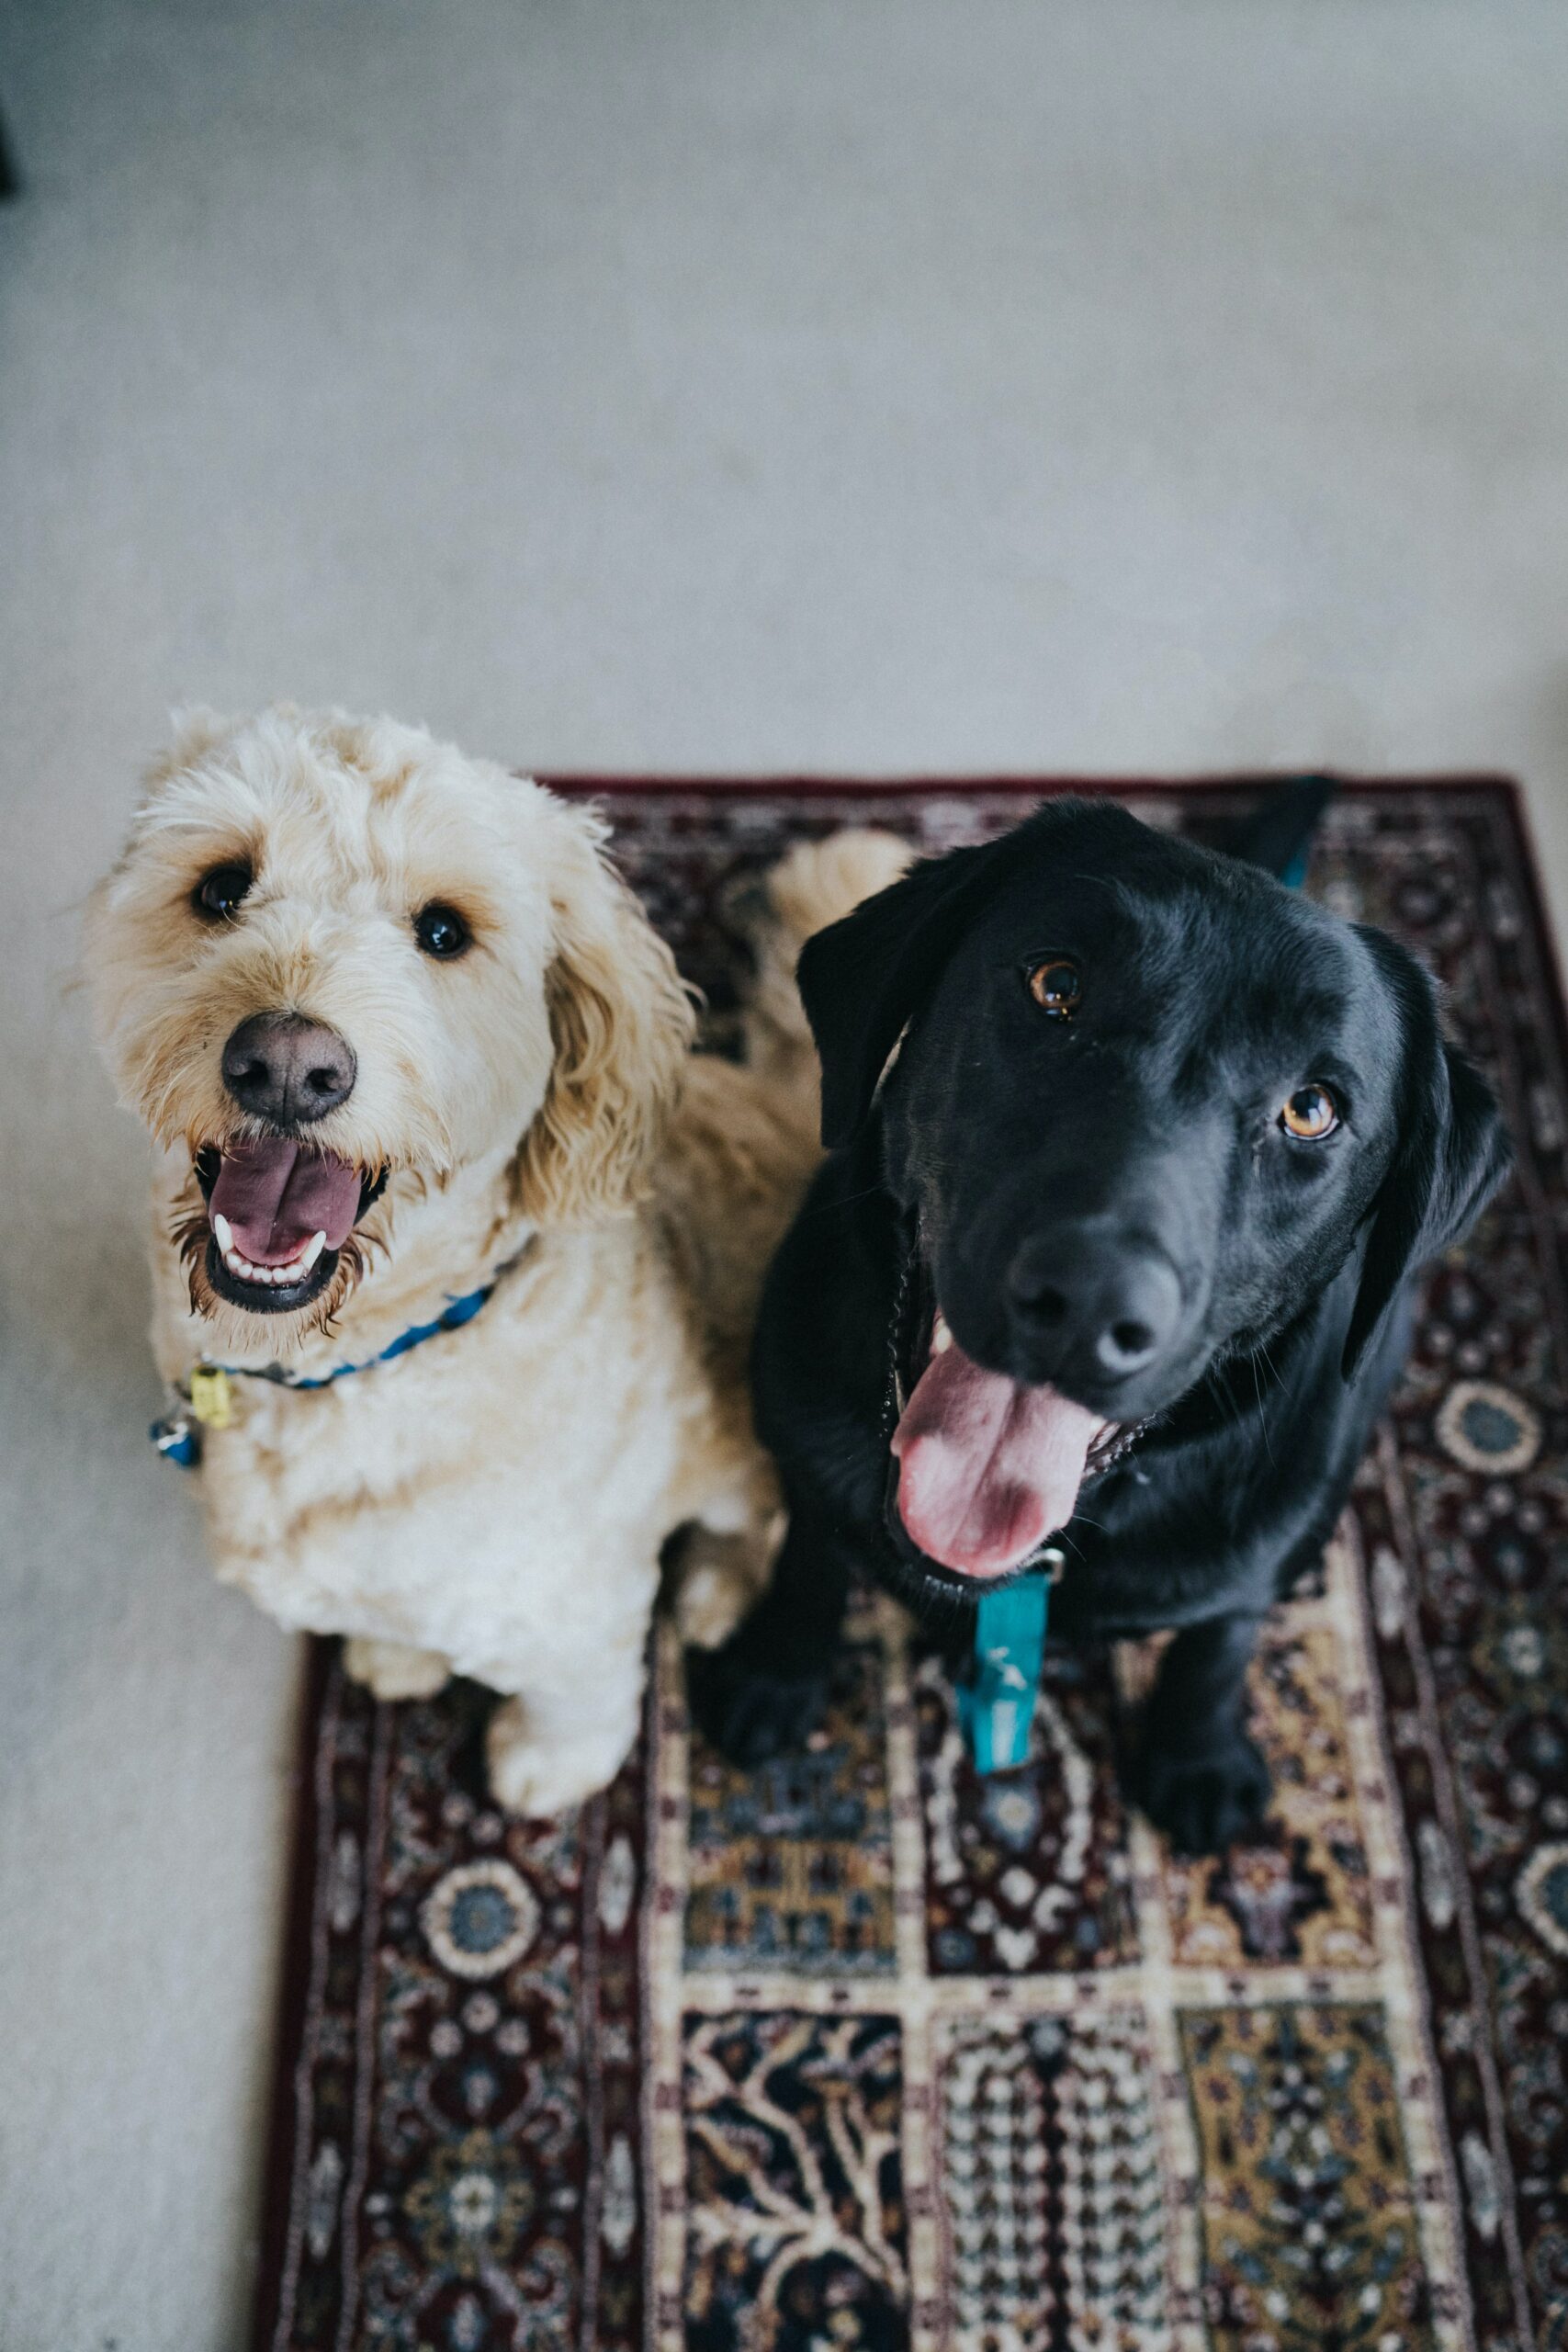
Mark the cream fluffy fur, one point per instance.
(494, 1502)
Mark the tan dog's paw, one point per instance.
(392, 1671)
(538, 1774)
(718, 1578)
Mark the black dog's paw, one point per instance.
(1205, 1802)
(746, 1712)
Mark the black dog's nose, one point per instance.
(287, 1070)
(1088, 1301)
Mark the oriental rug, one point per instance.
(863, 2054)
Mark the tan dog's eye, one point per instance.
(441, 931)
(219, 893)
(1056, 988)
(1310, 1115)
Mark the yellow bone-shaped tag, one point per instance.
(212, 1396)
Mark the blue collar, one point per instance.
(451, 1318)
(205, 1399)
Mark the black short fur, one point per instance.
(1140, 1132)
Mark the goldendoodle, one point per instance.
(457, 1243)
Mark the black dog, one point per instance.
(1134, 1156)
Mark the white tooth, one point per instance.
(941, 1337)
(224, 1231)
(311, 1251)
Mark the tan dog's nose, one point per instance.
(286, 1069)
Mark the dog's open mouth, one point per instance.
(985, 1467)
(279, 1214)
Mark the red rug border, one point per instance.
(293, 1981)
(292, 1995)
(584, 783)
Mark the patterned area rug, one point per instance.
(862, 2052)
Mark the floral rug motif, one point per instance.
(865, 2053)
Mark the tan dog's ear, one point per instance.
(622, 1021)
(192, 731)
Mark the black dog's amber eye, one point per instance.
(218, 893)
(1056, 988)
(441, 931)
(1310, 1115)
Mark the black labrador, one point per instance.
(1135, 1154)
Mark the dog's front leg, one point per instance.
(393, 1670)
(1200, 1777)
(717, 1576)
(763, 1691)
(552, 1745)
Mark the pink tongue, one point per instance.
(276, 1196)
(987, 1467)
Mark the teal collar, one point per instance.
(995, 1696)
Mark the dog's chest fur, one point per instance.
(487, 1490)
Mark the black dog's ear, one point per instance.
(863, 977)
(1277, 834)
(1453, 1153)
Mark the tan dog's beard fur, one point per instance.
(190, 1233)
(166, 1031)
(185, 1106)
(401, 1136)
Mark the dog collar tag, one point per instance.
(177, 1438)
(212, 1396)
(996, 1699)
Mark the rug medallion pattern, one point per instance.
(864, 2054)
